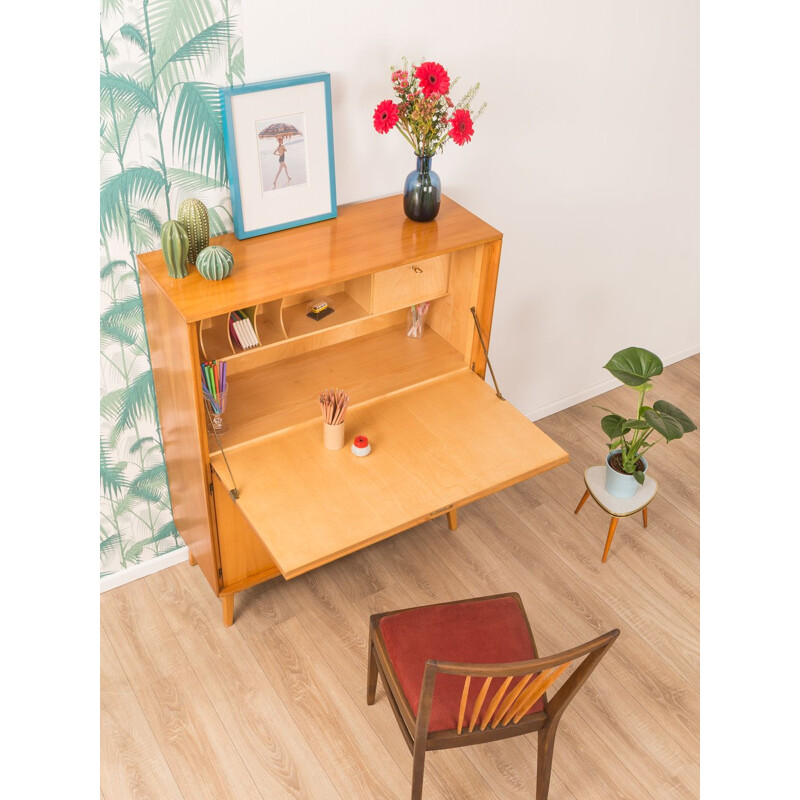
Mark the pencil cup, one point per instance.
(216, 408)
(415, 320)
(333, 436)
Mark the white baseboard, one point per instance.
(599, 388)
(143, 570)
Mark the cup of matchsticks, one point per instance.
(333, 404)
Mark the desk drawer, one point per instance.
(410, 284)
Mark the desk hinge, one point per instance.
(211, 488)
(219, 572)
(486, 353)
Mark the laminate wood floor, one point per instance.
(274, 706)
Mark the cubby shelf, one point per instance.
(345, 309)
(287, 318)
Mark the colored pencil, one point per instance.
(333, 403)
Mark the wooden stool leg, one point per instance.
(644, 515)
(192, 562)
(452, 519)
(583, 500)
(227, 609)
(611, 528)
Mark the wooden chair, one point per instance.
(438, 663)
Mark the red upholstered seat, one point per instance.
(489, 631)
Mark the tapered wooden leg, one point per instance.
(544, 761)
(644, 516)
(611, 528)
(192, 562)
(452, 519)
(583, 500)
(372, 673)
(419, 771)
(227, 609)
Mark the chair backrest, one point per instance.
(508, 706)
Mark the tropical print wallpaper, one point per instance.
(161, 64)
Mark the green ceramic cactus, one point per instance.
(175, 244)
(193, 215)
(215, 263)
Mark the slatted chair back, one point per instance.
(509, 704)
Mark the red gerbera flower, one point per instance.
(385, 116)
(432, 78)
(461, 130)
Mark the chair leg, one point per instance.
(419, 771)
(611, 528)
(372, 673)
(644, 516)
(544, 761)
(583, 500)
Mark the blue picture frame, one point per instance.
(259, 215)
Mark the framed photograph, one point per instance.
(279, 150)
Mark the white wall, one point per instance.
(587, 159)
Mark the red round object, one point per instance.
(361, 441)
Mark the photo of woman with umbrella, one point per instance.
(280, 151)
(287, 138)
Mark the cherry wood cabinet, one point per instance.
(440, 436)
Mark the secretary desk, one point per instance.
(265, 499)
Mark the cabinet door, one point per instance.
(242, 553)
(435, 446)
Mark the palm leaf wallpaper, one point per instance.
(161, 63)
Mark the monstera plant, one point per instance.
(630, 436)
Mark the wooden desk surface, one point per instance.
(447, 441)
(365, 237)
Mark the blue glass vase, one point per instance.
(422, 194)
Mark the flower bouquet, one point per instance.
(426, 117)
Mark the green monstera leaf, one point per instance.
(635, 425)
(612, 425)
(663, 423)
(663, 407)
(634, 366)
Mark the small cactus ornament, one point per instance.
(193, 215)
(215, 263)
(175, 244)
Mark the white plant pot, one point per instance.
(619, 485)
